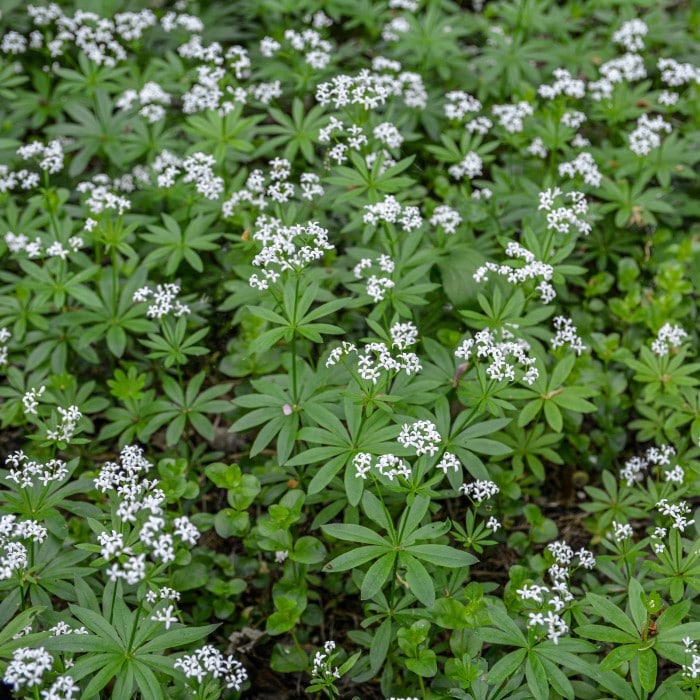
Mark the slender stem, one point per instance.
(422, 687)
(295, 395)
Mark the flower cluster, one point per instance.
(321, 669)
(670, 336)
(510, 116)
(422, 436)
(5, 336)
(533, 269)
(563, 219)
(286, 248)
(388, 465)
(470, 167)
(164, 300)
(566, 334)
(19, 243)
(67, 425)
(585, 166)
(558, 595)
(26, 473)
(50, 156)
(374, 359)
(446, 217)
(636, 467)
(645, 138)
(139, 501)
(677, 512)
(503, 354)
(390, 211)
(564, 84)
(209, 661)
(152, 101)
(27, 668)
(14, 555)
(261, 187)
(377, 285)
(479, 490)
(372, 89)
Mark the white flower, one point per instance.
(165, 615)
(27, 667)
(669, 336)
(566, 335)
(422, 436)
(479, 490)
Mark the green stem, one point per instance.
(295, 395)
(422, 687)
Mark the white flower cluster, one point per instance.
(403, 335)
(670, 336)
(691, 670)
(198, 168)
(377, 286)
(50, 156)
(63, 688)
(422, 436)
(533, 269)
(448, 461)
(372, 89)
(164, 300)
(151, 98)
(470, 167)
(317, 50)
(563, 219)
(389, 466)
(566, 334)
(13, 553)
(12, 179)
(30, 400)
(394, 28)
(585, 166)
(510, 116)
(66, 428)
(61, 628)
(5, 336)
(646, 137)
(635, 467)
(628, 67)
(631, 35)
(537, 148)
(479, 490)
(321, 668)
(19, 243)
(676, 74)
(26, 473)
(446, 217)
(375, 359)
(101, 198)
(564, 84)
(573, 119)
(621, 531)
(656, 538)
(558, 595)
(391, 211)
(138, 495)
(209, 661)
(677, 512)
(27, 668)
(459, 104)
(100, 39)
(504, 355)
(273, 185)
(286, 248)
(388, 134)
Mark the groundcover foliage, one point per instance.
(347, 349)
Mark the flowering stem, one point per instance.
(295, 396)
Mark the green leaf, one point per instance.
(377, 574)
(442, 555)
(647, 669)
(418, 579)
